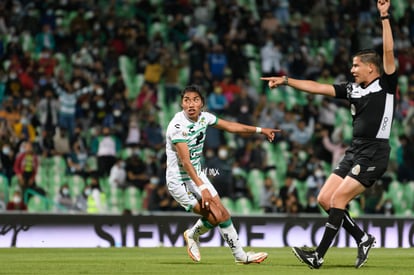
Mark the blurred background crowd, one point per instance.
(87, 88)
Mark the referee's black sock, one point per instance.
(335, 219)
(351, 227)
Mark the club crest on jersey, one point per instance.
(203, 121)
(356, 170)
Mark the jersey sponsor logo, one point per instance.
(356, 170)
(178, 126)
(384, 123)
(191, 129)
(385, 128)
(353, 109)
(195, 154)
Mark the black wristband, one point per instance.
(385, 17)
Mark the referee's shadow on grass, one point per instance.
(186, 263)
(332, 266)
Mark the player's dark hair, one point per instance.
(370, 56)
(192, 88)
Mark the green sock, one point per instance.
(199, 228)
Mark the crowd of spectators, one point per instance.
(65, 92)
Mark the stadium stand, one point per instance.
(122, 37)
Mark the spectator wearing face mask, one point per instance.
(24, 129)
(100, 108)
(77, 161)
(315, 181)
(64, 200)
(68, 95)
(106, 147)
(47, 111)
(16, 203)
(117, 175)
(133, 137)
(13, 86)
(153, 134)
(137, 171)
(61, 142)
(81, 202)
(312, 205)
(45, 39)
(268, 197)
(25, 167)
(7, 158)
(96, 201)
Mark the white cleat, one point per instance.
(193, 247)
(253, 258)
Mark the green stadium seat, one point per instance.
(92, 163)
(76, 184)
(229, 204)
(396, 194)
(14, 185)
(133, 199)
(251, 51)
(104, 182)
(270, 153)
(243, 206)
(28, 43)
(58, 165)
(255, 186)
(302, 189)
(56, 180)
(38, 203)
(184, 76)
(42, 178)
(403, 84)
(409, 195)
(115, 198)
(254, 73)
(273, 174)
(254, 176)
(399, 8)
(355, 208)
(4, 188)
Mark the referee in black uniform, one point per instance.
(372, 102)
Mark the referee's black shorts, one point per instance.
(366, 160)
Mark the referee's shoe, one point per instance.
(309, 257)
(363, 249)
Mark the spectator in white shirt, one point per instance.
(117, 175)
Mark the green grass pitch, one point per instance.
(60, 261)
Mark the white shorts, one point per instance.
(186, 193)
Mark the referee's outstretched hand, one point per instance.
(269, 133)
(274, 81)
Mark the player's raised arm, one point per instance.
(387, 38)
